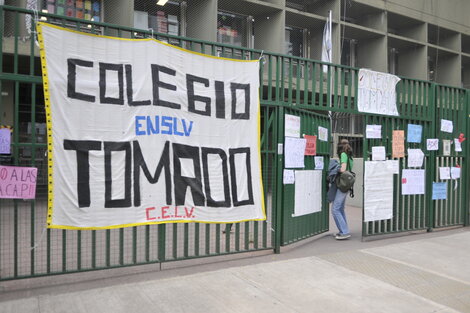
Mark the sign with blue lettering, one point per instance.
(439, 191)
(142, 132)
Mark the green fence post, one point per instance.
(432, 160)
(278, 227)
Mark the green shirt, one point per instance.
(344, 159)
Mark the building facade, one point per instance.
(422, 39)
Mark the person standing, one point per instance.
(345, 155)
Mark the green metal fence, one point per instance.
(289, 85)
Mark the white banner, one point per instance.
(144, 132)
(376, 93)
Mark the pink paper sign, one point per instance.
(18, 182)
(5, 137)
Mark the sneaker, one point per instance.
(342, 236)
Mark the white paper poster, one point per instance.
(308, 191)
(412, 182)
(139, 136)
(455, 172)
(393, 165)
(374, 131)
(378, 191)
(288, 177)
(291, 125)
(447, 126)
(457, 145)
(378, 153)
(322, 133)
(294, 149)
(446, 147)
(444, 173)
(319, 163)
(376, 92)
(415, 158)
(432, 144)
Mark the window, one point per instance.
(295, 41)
(83, 9)
(162, 19)
(348, 52)
(233, 29)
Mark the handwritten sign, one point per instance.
(444, 173)
(18, 182)
(447, 126)
(292, 125)
(288, 177)
(311, 145)
(5, 140)
(432, 144)
(374, 131)
(415, 158)
(398, 144)
(378, 153)
(414, 133)
(412, 182)
(322, 133)
(294, 149)
(376, 92)
(439, 191)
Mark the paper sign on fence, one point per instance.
(18, 182)
(415, 158)
(444, 173)
(291, 125)
(308, 191)
(447, 126)
(378, 191)
(319, 162)
(432, 144)
(455, 172)
(288, 177)
(374, 131)
(412, 182)
(322, 133)
(294, 149)
(457, 145)
(310, 145)
(398, 144)
(5, 140)
(376, 92)
(414, 133)
(378, 153)
(393, 166)
(439, 191)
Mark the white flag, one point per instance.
(327, 44)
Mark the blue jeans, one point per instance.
(338, 212)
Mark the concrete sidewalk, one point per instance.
(426, 273)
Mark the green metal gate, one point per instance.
(295, 228)
(289, 85)
(426, 104)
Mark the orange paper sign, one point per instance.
(311, 146)
(398, 144)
